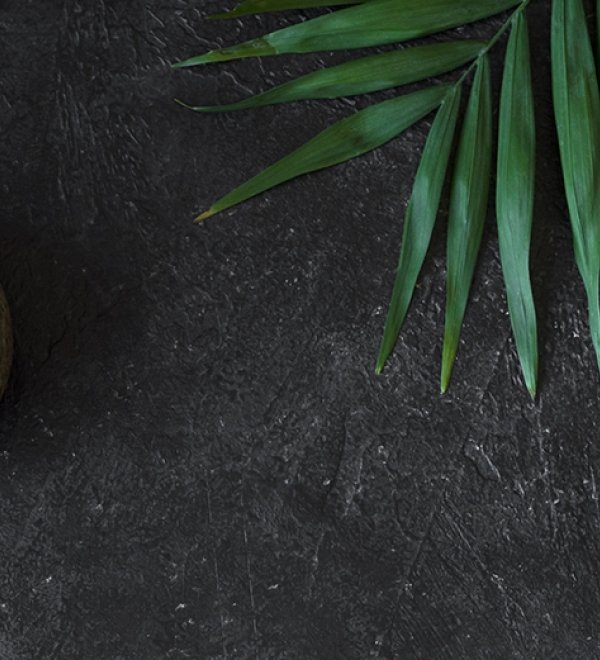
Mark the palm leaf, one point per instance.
(420, 219)
(367, 74)
(577, 111)
(515, 195)
(373, 23)
(351, 137)
(598, 35)
(468, 206)
(263, 6)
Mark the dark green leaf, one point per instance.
(351, 137)
(468, 206)
(371, 24)
(598, 35)
(264, 6)
(577, 112)
(420, 219)
(367, 74)
(515, 195)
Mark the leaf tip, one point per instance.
(382, 358)
(211, 56)
(446, 376)
(183, 104)
(532, 389)
(204, 216)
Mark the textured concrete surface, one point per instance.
(197, 460)
(6, 343)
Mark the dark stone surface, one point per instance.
(198, 461)
(6, 343)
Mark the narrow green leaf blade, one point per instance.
(420, 219)
(263, 6)
(364, 75)
(577, 114)
(373, 23)
(468, 206)
(598, 35)
(515, 195)
(361, 132)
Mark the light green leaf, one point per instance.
(577, 113)
(373, 23)
(351, 137)
(420, 218)
(468, 206)
(263, 6)
(367, 74)
(515, 195)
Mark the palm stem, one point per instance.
(492, 42)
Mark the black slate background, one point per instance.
(197, 460)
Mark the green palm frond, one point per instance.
(361, 132)
(373, 23)
(468, 208)
(368, 23)
(366, 74)
(515, 195)
(577, 111)
(420, 218)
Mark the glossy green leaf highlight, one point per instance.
(420, 219)
(577, 112)
(468, 207)
(515, 195)
(371, 24)
(348, 138)
(367, 74)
